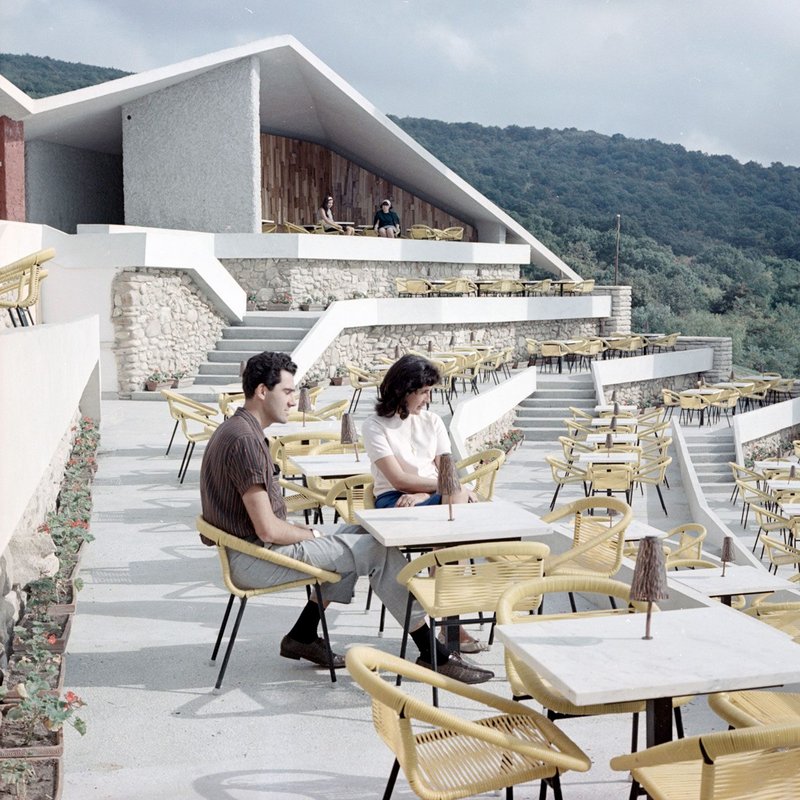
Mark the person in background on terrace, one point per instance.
(327, 221)
(386, 222)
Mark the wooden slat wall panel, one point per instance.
(296, 175)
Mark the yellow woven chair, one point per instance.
(299, 416)
(691, 536)
(756, 707)
(504, 287)
(349, 495)
(610, 478)
(565, 473)
(670, 400)
(332, 410)
(177, 402)
(459, 286)
(20, 283)
(360, 379)
(420, 231)
(796, 446)
(653, 473)
(597, 543)
(479, 471)
(550, 352)
(290, 227)
(229, 401)
(667, 342)
(515, 607)
(452, 234)
(579, 287)
(307, 576)
(282, 448)
(539, 287)
(195, 428)
(753, 763)
(302, 499)
(779, 553)
(454, 588)
(445, 756)
(413, 287)
(269, 227)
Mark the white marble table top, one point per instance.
(739, 579)
(616, 438)
(604, 659)
(429, 525)
(637, 530)
(286, 428)
(606, 457)
(332, 465)
(605, 422)
(774, 463)
(732, 385)
(604, 407)
(700, 392)
(791, 509)
(781, 484)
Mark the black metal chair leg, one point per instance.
(382, 624)
(171, 438)
(661, 498)
(186, 468)
(404, 639)
(183, 460)
(222, 628)
(229, 648)
(635, 732)
(392, 778)
(325, 637)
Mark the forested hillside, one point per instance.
(41, 77)
(710, 246)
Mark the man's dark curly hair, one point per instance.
(265, 368)
(405, 376)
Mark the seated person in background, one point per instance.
(386, 222)
(239, 493)
(325, 217)
(404, 441)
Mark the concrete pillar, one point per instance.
(12, 170)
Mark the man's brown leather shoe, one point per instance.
(460, 670)
(312, 651)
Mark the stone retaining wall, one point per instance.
(326, 281)
(493, 433)
(364, 346)
(30, 553)
(162, 322)
(776, 445)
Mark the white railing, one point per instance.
(49, 371)
(478, 412)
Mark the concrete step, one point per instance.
(257, 345)
(218, 368)
(543, 413)
(246, 333)
(703, 457)
(236, 351)
(284, 319)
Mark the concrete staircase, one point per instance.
(710, 453)
(540, 415)
(281, 331)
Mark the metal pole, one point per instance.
(616, 254)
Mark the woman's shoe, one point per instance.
(467, 644)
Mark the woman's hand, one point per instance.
(407, 500)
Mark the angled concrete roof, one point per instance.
(300, 97)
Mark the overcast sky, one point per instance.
(719, 76)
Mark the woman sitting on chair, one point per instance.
(327, 221)
(404, 442)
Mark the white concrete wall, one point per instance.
(48, 372)
(478, 412)
(66, 186)
(367, 248)
(191, 153)
(762, 422)
(646, 368)
(370, 312)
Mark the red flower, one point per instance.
(51, 638)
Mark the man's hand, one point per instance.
(407, 500)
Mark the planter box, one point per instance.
(273, 306)
(311, 307)
(49, 746)
(13, 676)
(181, 383)
(338, 381)
(152, 386)
(46, 783)
(61, 628)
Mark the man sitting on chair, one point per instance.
(240, 494)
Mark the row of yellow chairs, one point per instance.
(20, 285)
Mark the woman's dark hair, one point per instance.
(405, 376)
(265, 368)
(325, 200)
